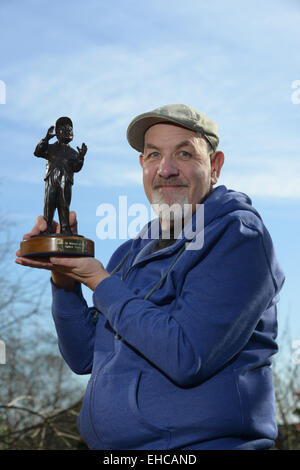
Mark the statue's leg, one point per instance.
(49, 203)
(64, 200)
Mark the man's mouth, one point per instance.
(171, 187)
(168, 185)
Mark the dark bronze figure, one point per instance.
(62, 162)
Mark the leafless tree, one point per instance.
(39, 396)
(286, 373)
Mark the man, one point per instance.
(62, 162)
(179, 340)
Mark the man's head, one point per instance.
(64, 130)
(180, 162)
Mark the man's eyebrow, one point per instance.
(184, 143)
(151, 146)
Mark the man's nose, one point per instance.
(167, 167)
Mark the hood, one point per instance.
(220, 202)
(223, 201)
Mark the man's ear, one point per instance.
(141, 157)
(217, 164)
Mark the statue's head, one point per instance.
(64, 130)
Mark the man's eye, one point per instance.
(153, 154)
(185, 154)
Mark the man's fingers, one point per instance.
(28, 235)
(40, 226)
(72, 217)
(41, 223)
(40, 263)
(65, 265)
(54, 226)
(73, 221)
(62, 262)
(59, 262)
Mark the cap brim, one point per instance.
(136, 130)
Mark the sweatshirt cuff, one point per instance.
(67, 302)
(110, 296)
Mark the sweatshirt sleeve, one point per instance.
(76, 327)
(212, 319)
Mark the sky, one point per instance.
(102, 63)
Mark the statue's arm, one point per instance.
(78, 163)
(41, 149)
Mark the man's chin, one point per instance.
(169, 202)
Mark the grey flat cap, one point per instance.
(180, 114)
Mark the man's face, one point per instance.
(176, 166)
(64, 133)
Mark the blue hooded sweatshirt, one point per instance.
(179, 341)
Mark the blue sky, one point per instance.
(101, 63)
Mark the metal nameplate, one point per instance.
(72, 246)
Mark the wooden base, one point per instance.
(42, 246)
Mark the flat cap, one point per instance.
(180, 114)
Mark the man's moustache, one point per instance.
(158, 184)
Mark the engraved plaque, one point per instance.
(72, 246)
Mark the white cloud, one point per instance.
(264, 177)
(111, 176)
(263, 185)
(102, 87)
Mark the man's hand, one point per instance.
(65, 270)
(43, 263)
(89, 271)
(41, 226)
(50, 134)
(82, 151)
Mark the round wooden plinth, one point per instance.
(56, 244)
